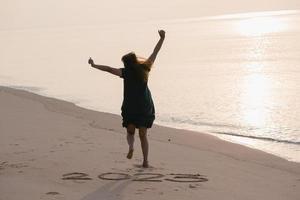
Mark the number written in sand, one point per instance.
(142, 177)
(114, 176)
(150, 177)
(76, 176)
(187, 178)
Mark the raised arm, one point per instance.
(114, 71)
(158, 46)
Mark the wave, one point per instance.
(225, 129)
(233, 16)
(258, 137)
(26, 88)
(255, 14)
(182, 120)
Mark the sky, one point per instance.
(58, 13)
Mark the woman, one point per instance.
(138, 110)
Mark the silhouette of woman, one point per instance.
(137, 108)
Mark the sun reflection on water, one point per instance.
(258, 26)
(256, 86)
(255, 98)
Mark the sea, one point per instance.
(235, 76)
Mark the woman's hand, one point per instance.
(91, 62)
(161, 33)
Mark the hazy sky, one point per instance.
(40, 13)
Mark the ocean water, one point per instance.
(235, 76)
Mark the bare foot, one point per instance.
(145, 164)
(130, 154)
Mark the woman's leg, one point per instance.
(130, 139)
(144, 144)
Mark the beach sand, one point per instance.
(43, 140)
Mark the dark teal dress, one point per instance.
(137, 107)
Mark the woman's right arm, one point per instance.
(114, 71)
(158, 46)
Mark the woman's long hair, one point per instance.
(140, 65)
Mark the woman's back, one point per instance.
(137, 96)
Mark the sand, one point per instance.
(53, 149)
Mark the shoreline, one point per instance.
(231, 138)
(44, 138)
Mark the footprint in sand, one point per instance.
(52, 193)
(89, 143)
(193, 186)
(119, 161)
(3, 165)
(114, 152)
(18, 165)
(14, 144)
(141, 168)
(19, 152)
(141, 191)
